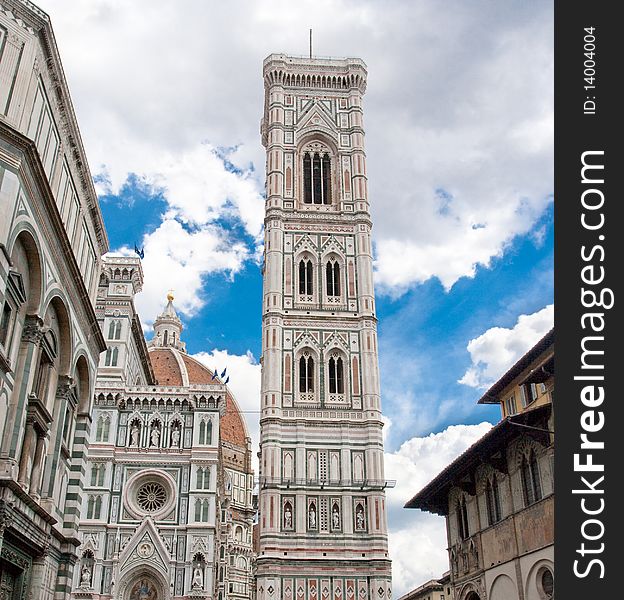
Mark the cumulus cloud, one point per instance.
(459, 136)
(496, 350)
(418, 540)
(473, 168)
(177, 258)
(244, 372)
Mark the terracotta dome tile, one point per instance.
(166, 367)
(167, 372)
(231, 425)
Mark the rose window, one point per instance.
(151, 496)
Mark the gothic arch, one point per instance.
(56, 309)
(483, 474)
(131, 581)
(336, 371)
(310, 279)
(308, 391)
(524, 447)
(471, 591)
(82, 377)
(26, 254)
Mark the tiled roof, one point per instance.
(166, 367)
(167, 372)
(491, 396)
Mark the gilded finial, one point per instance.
(170, 296)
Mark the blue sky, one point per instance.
(423, 332)
(458, 116)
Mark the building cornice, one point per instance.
(33, 176)
(38, 23)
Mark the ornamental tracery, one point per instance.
(316, 165)
(151, 496)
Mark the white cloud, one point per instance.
(176, 258)
(472, 172)
(462, 104)
(496, 350)
(244, 372)
(200, 188)
(418, 540)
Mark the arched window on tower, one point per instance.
(305, 277)
(166, 337)
(316, 178)
(306, 374)
(332, 275)
(336, 375)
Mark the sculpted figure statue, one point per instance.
(198, 579)
(287, 517)
(134, 435)
(335, 519)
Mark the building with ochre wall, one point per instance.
(498, 496)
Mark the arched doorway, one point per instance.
(144, 584)
(473, 596)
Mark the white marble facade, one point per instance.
(322, 512)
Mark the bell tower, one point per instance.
(323, 533)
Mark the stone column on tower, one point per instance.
(322, 506)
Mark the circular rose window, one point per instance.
(150, 492)
(151, 496)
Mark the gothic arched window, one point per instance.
(462, 518)
(306, 374)
(103, 429)
(203, 478)
(305, 277)
(97, 474)
(530, 479)
(492, 498)
(316, 178)
(94, 507)
(336, 375)
(114, 330)
(112, 356)
(332, 274)
(205, 432)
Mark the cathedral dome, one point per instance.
(175, 368)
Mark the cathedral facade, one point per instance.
(322, 518)
(167, 509)
(51, 239)
(125, 465)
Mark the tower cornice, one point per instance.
(338, 74)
